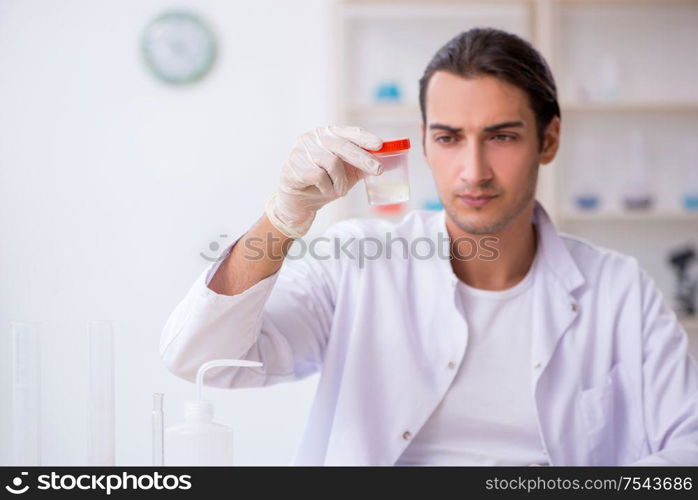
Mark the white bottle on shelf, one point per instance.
(637, 190)
(690, 178)
(608, 81)
(200, 441)
(585, 185)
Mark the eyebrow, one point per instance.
(489, 128)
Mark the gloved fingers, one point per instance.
(332, 164)
(353, 174)
(335, 169)
(347, 150)
(301, 171)
(359, 136)
(311, 172)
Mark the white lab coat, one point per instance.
(611, 376)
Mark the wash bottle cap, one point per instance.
(199, 409)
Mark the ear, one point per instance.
(551, 141)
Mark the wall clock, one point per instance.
(178, 47)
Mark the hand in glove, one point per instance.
(323, 165)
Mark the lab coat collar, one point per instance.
(554, 251)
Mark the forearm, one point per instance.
(257, 255)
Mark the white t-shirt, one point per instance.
(488, 415)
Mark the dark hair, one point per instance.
(489, 51)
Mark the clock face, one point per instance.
(179, 48)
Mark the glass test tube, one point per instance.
(158, 430)
(101, 394)
(26, 394)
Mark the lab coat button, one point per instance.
(406, 435)
(537, 365)
(451, 365)
(574, 307)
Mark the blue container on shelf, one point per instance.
(433, 204)
(388, 92)
(587, 202)
(690, 202)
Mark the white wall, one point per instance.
(112, 183)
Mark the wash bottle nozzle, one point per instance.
(215, 363)
(200, 441)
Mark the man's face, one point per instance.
(480, 140)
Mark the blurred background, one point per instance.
(138, 137)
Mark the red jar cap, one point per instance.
(392, 146)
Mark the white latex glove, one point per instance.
(323, 165)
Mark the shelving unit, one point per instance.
(650, 43)
(393, 40)
(633, 107)
(630, 216)
(411, 112)
(656, 95)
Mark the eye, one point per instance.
(504, 137)
(449, 139)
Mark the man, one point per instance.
(543, 349)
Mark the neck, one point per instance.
(515, 246)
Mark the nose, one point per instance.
(474, 168)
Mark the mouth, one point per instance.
(476, 201)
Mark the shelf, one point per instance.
(386, 112)
(411, 113)
(633, 107)
(618, 215)
(398, 3)
(438, 10)
(624, 2)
